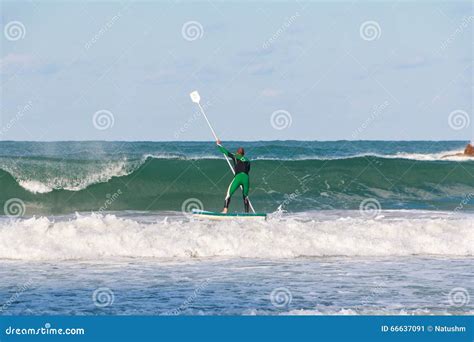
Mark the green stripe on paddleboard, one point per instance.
(213, 213)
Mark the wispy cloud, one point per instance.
(411, 62)
(14, 63)
(163, 76)
(414, 62)
(247, 54)
(270, 92)
(179, 72)
(208, 73)
(260, 69)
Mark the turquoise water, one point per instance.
(65, 177)
(96, 228)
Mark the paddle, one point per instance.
(197, 99)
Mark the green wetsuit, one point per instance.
(241, 178)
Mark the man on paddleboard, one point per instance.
(241, 178)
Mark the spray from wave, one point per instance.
(43, 176)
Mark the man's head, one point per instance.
(240, 151)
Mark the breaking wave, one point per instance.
(92, 237)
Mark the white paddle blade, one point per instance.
(195, 96)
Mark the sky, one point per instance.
(339, 70)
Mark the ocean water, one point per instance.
(367, 227)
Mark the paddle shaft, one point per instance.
(215, 137)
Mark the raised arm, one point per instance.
(224, 150)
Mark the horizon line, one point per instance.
(231, 140)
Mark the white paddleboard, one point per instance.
(212, 215)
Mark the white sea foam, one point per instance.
(95, 237)
(35, 186)
(76, 183)
(400, 155)
(362, 311)
(440, 156)
(446, 155)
